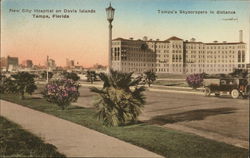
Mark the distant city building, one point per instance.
(175, 55)
(12, 61)
(9, 63)
(98, 66)
(70, 63)
(3, 62)
(27, 63)
(51, 63)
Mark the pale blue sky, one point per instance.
(83, 37)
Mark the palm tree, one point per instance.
(117, 102)
(150, 77)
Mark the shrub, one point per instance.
(195, 80)
(149, 77)
(71, 75)
(8, 86)
(116, 103)
(91, 76)
(239, 73)
(24, 83)
(61, 92)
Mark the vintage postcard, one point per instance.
(127, 78)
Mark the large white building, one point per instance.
(175, 55)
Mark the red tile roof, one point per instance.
(119, 39)
(174, 38)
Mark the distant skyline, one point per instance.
(84, 36)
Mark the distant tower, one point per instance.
(240, 36)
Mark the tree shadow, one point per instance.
(32, 97)
(172, 84)
(189, 115)
(75, 108)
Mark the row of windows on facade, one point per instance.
(149, 65)
(136, 64)
(219, 61)
(211, 65)
(178, 65)
(188, 46)
(156, 70)
(175, 56)
(150, 54)
(226, 52)
(219, 56)
(181, 69)
(209, 70)
(197, 46)
(241, 56)
(200, 52)
(215, 60)
(200, 70)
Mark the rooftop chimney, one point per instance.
(240, 36)
(145, 38)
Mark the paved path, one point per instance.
(71, 139)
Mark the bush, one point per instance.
(61, 92)
(149, 77)
(71, 75)
(195, 80)
(239, 73)
(116, 103)
(7, 85)
(2, 79)
(23, 83)
(91, 76)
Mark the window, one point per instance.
(243, 56)
(239, 56)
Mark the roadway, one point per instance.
(220, 118)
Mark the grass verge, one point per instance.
(166, 142)
(16, 142)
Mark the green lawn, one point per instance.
(16, 142)
(166, 142)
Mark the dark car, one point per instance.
(235, 86)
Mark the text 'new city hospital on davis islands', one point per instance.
(176, 55)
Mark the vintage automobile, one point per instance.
(234, 86)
